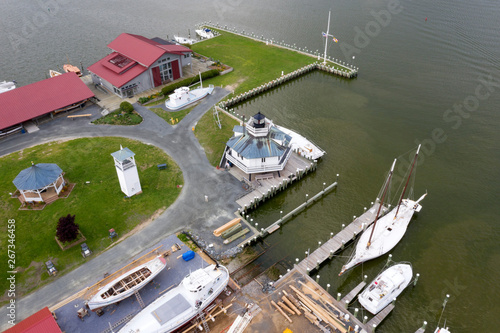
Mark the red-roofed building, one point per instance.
(40, 322)
(42, 98)
(138, 63)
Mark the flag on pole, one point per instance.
(335, 40)
(323, 34)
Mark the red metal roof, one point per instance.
(117, 77)
(39, 98)
(142, 52)
(40, 322)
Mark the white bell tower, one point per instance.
(127, 171)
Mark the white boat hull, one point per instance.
(184, 40)
(7, 86)
(193, 96)
(181, 304)
(388, 232)
(386, 287)
(155, 266)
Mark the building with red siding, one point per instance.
(40, 322)
(137, 63)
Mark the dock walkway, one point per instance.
(347, 299)
(337, 242)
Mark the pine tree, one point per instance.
(67, 229)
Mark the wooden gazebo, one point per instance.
(40, 182)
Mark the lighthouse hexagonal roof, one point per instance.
(123, 154)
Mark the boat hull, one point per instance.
(388, 232)
(194, 96)
(97, 301)
(387, 286)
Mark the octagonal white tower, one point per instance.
(127, 171)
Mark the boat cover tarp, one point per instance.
(188, 255)
(171, 309)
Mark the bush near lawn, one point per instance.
(212, 139)
(98, 206)
(189, 81)
(120, 117)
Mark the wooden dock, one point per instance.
(375, 321)
(337, 242)
(347, 299)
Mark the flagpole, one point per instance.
(326, 37)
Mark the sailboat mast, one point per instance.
(388, 182)
(326, 37)
(407, 181)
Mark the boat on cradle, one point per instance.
(386, 231)
(184, 40)
(386, 287)
(54, 73)
(7, 86)
(70, 68)
(205, 33)
(181, 304)
(127, 284)
(183, 96)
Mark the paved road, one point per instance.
(189, 211)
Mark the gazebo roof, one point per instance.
(123, 154)
(37, 176)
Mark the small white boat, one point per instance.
(386, 286)
(386, 232)
(184, 40)
(181, 304)
(205, 33)
(7, 86)
(127, 284)
(54, 73)
(183, 96)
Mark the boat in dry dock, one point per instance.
(181, 304)
(183, 96)
(127, 284)
(386, 286)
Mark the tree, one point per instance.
(67, 229)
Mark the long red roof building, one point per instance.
(40, 98)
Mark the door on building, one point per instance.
(175, 69)
(156, 76)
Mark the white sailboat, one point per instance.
(181, 304)
(127, 284)
(183, 96)
(386, 232)
(386, 286)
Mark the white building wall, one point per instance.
(129, 181)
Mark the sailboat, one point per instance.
(386, 231)
(183, 96)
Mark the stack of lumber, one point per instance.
(232, 223)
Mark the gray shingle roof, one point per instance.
(251, 147)
(37, 176)
(122, 154)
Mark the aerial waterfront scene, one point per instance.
(233, 166)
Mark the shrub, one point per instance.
(143, 100)
(189, 81)
(126, 107)
(67, 229)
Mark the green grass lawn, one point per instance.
(211, 137)
(176, 115)
(98, 206)
(119, 118)
(254, 62)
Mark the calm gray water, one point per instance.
(415, 77)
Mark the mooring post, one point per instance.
(331, 254)
(365, 319)
(365, 277)
(416, 279)
(317, 278)
(374, 326)
(356, 310)
(343, 226)
(394, 301)
(338, 296)
(446, 300)
(317, 264)
(331, 235)
(343, 244)
(319, 245)
(424, 325)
